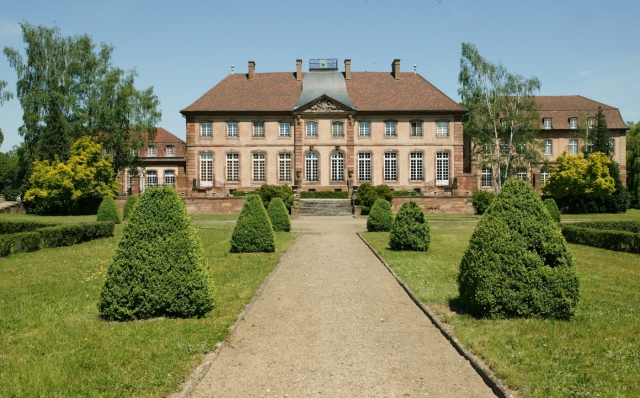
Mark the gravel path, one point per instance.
(332, 322)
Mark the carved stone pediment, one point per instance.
(324, 106)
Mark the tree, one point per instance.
(108, 210)
(599, 137)
(253, 231)
(410, 230)
(502, 122)
(279, 215)
(4, 97)
(633, 162)
(9, 174)
(367, 195)
(380, 217)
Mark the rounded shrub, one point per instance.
(279, 215)
(481, 200)
(380, 217)
(552, 207)
(108, 210)
(367, 195)
(159, 267)
(410, 230)
(253, 231)
(517, 263)
(128, 207)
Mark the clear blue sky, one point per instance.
(182, 49)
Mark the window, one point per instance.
(612, 144)
(232, 129)
(205, 130)
(259, 167)
(258, 129)
(416, 166)
(337, 128)
(365, 129)
(503, 123)
(312, 129)
(547, 124)
(206, 169)
(151, 150)
(547, 147)
(284, 167)
(233, 167)
(504, 149)
(573, 147)
(522, 174)
(390, 129)
(442, 168)
(544, 175)
(337, 166)
(130, 179)
(390, 166)
(169, 177)
(285, 130)
(169, 150)
(311, 166)
(486, 177)
(591, 122)
(443, 129)
(416, 129)
(364, 166)
(486, 149)
(152, 178)
(573, 123)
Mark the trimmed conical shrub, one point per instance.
(552, 207)
(517, 263)
(159, 267)
(380, 217)
(108, 210)
(410, 230)
(279, 215)
(253, 231)
(128, 206)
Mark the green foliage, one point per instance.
(10, 174)
(380, 217)
(633, 162)
(238, 193)
(610, 239)
(129, 206)
(279, 215)
(481, 200)
(599, 135)
(367, 195)
(268, 192)
(4, 97)
(410, 230)
(403, 192)
(628, 226)
(108, 210)
(552, 207)
(253, 231)
(517, 263)
(324, 195)
(159, 267)
(14, 227)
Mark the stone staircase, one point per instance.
(326, 207)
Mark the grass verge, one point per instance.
(594, 354)
(52, 342)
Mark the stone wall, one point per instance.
(438, 204)
(214, 205)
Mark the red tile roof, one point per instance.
(561, 108)
(164, 138)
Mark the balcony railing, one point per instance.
(325, 63)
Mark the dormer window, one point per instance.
(169, 150)
(573, 123)
(591, 122)
(547, 124)
(151, 150)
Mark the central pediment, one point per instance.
(325, 92)
(324, 104)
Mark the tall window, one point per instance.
(547, 147)
(544, 175)
(522, 174)
(284, 167)
(365, 129)
(390, 129)
(547, 124)
(258, 129)
(390, 166)
(573, 123)
(443, 129)
(285, 130)
(259, 167)
(486, 177)
(591, 122)
(416, 129)
(205, 130)
(364, 166)
(152, 178)
(151, 150)
(612, 144)
(337, 128)
(232, 129)
(169, 150)
(206, 169)
(337, 166)
(312, 129)
(416, 166)
(311, 166)
(169, 177)
(442, 168)
(233, 167)
(573, 147)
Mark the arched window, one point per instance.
(337, 166)
(311, 166)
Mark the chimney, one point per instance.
(298, 69)
(347, 69)
(252, 69)
(395, 69)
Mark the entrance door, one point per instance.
(442, 168)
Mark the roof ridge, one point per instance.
(171, 134)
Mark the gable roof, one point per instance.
(561, 108)
(165, 137)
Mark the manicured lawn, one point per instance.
(630, 215)
(52, 219)
(597, 353)
(53, 343)
(214, 217)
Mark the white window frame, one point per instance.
(548, 147)
(364, 129)
(522, 175)
(259, 167)
(547, 124)
(337, 166)
(591, 122)
(151, 150)
(573, 146)
(486, 179)
(442, 169)
(416, 129)
(364, 166)
(206, 130)
(233, 167)
(443, 129)
(169, 150)
(169, 177)
(391, 166)
(232, 130)
(284, 166)
(152, 178)
(573, 123)
(285, 130)
(416, 166)
(312, 129)
(612, 146)
(390, 129)
(258, 129)
(311, 167)
(337, 130)
(206, 169)
(544, 176)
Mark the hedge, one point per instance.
(367, 194)
(324, 195)
(552, 207)
(268, 192)
(108, 210)
(481, 200)
(403, 192)
(628, 226)
(278, 215)
(14, 227)
(253, 231)
(610, 239)
(380, 217)
(129, 206)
